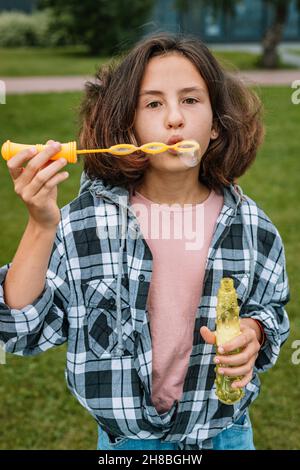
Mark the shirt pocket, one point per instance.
(100, 296)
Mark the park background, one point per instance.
(71, 39)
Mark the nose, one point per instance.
(174, 118)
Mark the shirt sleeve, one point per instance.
(42, 324)
(267, 299)
(263, 336)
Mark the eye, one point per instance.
(153, 103)
(191, 99)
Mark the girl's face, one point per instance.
(173, 101)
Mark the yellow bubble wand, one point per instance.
(69, 149)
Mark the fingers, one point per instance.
(52, 182)
(36, 161)
(15, 164)
(238, 342)
(47, 178)
(238, 365)
(236, 371)
(243, 382)
(58, 178)
(239, 359)
(49, 142)
(208, 336)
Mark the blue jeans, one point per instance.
(238, 437)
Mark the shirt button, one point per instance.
(141, 277)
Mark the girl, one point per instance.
(137, 308)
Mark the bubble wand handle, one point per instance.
(69, 149)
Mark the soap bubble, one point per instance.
(190, 158)
(189, 152)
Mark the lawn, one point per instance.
(294, 51)
(20, 62)
(37, 411)
(240, 60)
(237, 59)
(34, 61)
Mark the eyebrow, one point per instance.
(183, 90)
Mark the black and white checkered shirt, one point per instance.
(95, 300)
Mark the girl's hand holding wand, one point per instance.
(36, 183)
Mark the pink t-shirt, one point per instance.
(179, 239)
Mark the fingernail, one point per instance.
(217, 361)
(56, 145)
(221, 371)
(32, 150)
(221, 350)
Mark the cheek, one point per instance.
(205, 119)
(205, 142)
(202, 126)
(200, 116)
(141, 125)
(147, 128)
(204, 139)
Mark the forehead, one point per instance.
(169, 70)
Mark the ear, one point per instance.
(214, 134)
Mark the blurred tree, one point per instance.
(102, 25)
(274, 32)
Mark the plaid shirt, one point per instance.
(95, 299)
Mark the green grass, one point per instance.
(294, 51)
(274, 183)
(239, 60)
(37, 411)
(32, 61)
(236, 59)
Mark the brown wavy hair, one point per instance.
(107, 115)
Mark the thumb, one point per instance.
(208, 335)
